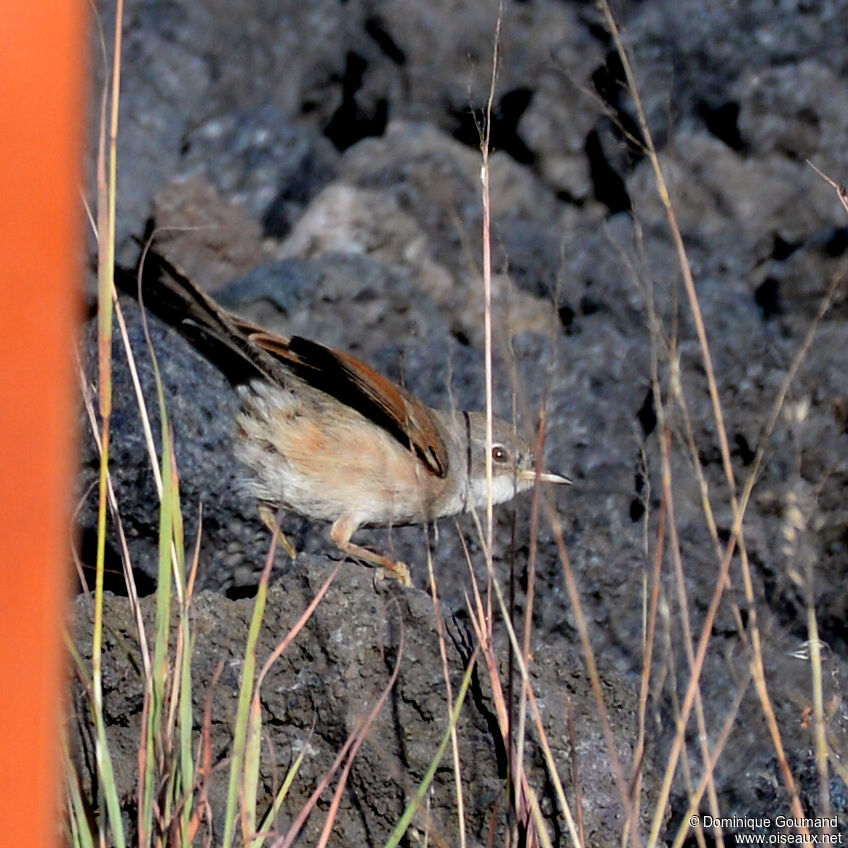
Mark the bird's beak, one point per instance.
(544, 476)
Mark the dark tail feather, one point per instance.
(166, 291)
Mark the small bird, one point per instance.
(329, 438)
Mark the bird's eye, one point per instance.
(500, 454)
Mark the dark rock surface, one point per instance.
(330, 678)
(317, 166)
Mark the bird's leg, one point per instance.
(340, 533)
(269, 518)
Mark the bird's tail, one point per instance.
(162, 287)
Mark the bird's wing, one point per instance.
(357, 385)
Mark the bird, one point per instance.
(326, 436)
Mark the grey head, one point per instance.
(513, 461)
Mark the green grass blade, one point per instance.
(186, 722)
(252, 752)
(80, 832)
(279, 798)
(242, 714)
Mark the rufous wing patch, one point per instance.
(359, 386)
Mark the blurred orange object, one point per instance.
(42, 68)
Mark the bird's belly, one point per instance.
(329, 461)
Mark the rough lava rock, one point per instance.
(331, 677)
